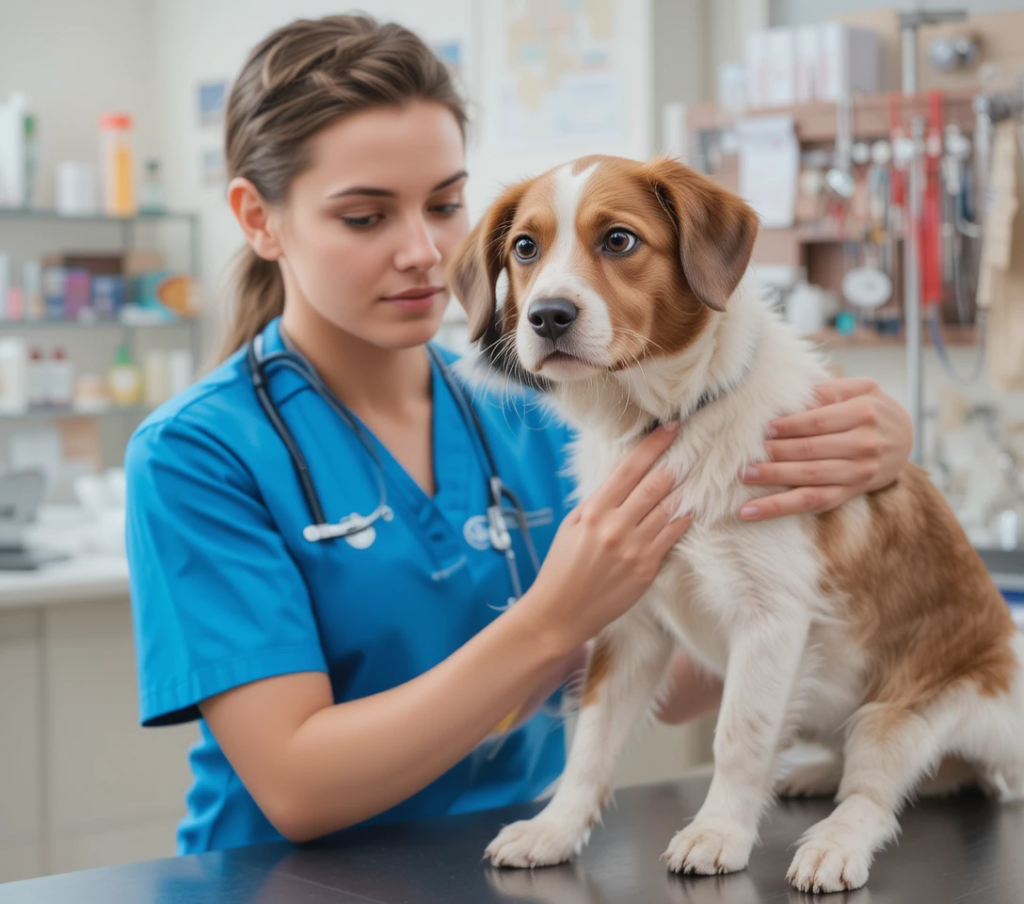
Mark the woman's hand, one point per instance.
(856, 441)
(608, 550)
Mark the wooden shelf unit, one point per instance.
(813, 243)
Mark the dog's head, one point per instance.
(610, 262)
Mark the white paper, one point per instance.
(769, 164)
(560, 81)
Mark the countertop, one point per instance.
(963, 849)
(97, 568)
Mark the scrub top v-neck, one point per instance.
(226, 591)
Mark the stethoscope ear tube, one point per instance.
(270, 410)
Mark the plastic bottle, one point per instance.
(5, 279)
(61, 378)
(117, 165)
(155, 377)
(38, 378)
(13, 375)
(151, 192)
(31, 159)
(32, 282)
(124, 379)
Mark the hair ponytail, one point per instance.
(259, 298)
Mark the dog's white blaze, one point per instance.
(593, 334)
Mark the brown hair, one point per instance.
(298, 80)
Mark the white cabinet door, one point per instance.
(21, 788)
(110, 778)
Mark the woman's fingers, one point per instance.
(852, 444)
(844, 389)
(836, 418)
(795, 502)
(628, 474)
(649, 498)
(839, 472)
(670, 534)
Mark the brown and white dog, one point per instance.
(873, 629)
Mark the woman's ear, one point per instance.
(253, 215)
(716, 228)
(474, 268)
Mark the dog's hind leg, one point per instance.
(623, 675)
(888, 751)
(991, 734)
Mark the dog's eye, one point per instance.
(620, 241)
(525, 249)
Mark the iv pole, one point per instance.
(909, 24)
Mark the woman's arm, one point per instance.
(692, 692)
(315, 767)
(856, 441)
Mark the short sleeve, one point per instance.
(217, 599)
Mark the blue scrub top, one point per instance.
(226, 591)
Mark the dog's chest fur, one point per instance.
(724, 572)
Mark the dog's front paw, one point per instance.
(819, 779)
(823, 866)
(708, 849)
(535, 842)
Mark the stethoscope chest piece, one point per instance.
(362, 540)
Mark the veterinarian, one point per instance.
(380, 673)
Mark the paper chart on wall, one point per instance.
(769, 166)
(559, 83)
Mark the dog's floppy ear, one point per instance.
(716, 230)
(474, 268)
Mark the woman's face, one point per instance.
(367, 229)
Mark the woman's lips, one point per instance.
(415, 300)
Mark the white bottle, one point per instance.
(62, 379)
(38, 378)
(5, 280)
(805, 310)
(154, 378)
(13, 375)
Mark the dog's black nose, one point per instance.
(551, 317)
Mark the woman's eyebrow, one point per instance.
(387, 193)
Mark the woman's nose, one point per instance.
(419, 251)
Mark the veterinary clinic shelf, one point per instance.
(817, 121)
(15, 326)
(31, 213)
(62, 413)
(831, 338)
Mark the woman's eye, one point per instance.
(525, 249)
(366, 222)
(620, 241)
(447, 210)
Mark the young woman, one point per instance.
(340, 679)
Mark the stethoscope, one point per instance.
(359, 531)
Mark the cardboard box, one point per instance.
(771, 68)
(136, 262)
(850, 61)
(780, 89)
(807, 51)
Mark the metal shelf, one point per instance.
(16, 325)
(22, 213)
(63, 413)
